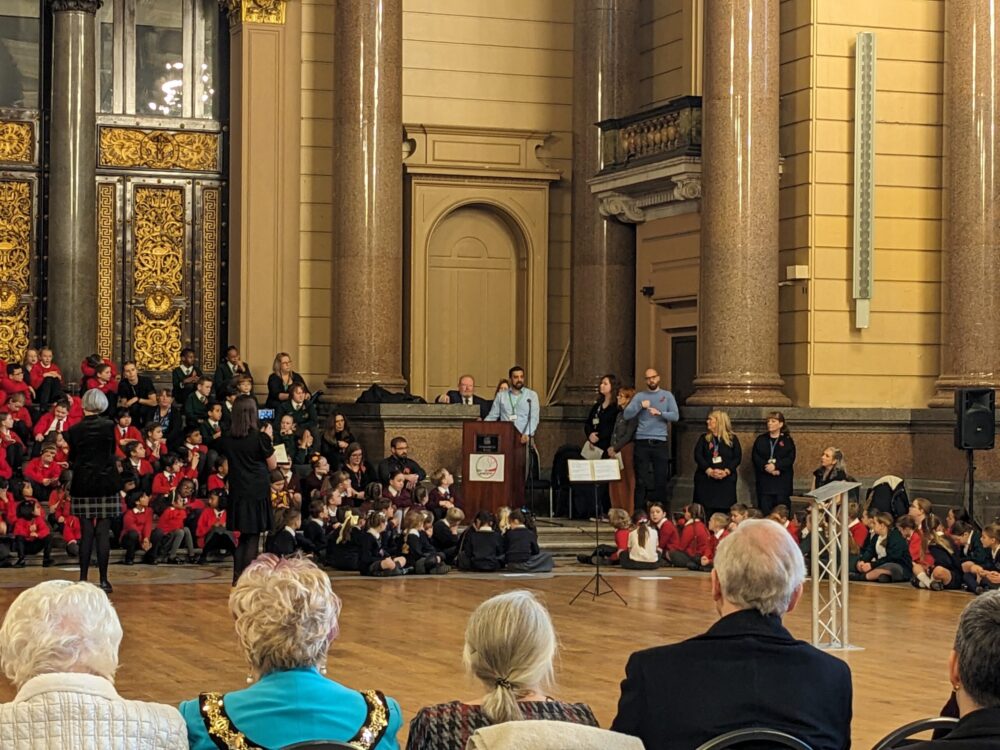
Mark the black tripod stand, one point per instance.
(593, 585)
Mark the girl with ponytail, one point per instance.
(510, 645)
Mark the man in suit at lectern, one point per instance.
(747, 670)
(466, 394)
(518, 404)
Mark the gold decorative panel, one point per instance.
(17, 140)
(106, 241)
(210, 275)
(255, 11)
(125, 148)
(15, 259)
(158, 225)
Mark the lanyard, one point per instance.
(773, 443)
(514, 402)
(713, 444)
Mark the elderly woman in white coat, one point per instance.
(59, 647)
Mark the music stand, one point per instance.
(595, 472)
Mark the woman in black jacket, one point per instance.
(717, 455)
(598, 428)
(773, 463)
(95, 483)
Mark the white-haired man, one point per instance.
(59, 647)
(747, 670)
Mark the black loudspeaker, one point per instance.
(975, 418)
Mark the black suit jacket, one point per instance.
(454, 397)
(979, 730)
(747, 670)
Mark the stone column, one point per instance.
(970, 351)
(605, 78)
(738, 296)
(265, 61)
(72, 246)
(368, 306)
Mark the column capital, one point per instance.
(85, 6)
(254, 11)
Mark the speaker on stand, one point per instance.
(975, 430)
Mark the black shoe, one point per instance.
(21, 562)
(106, 587)
(128, 562)
(202, 560)
(585, 559)
(47, 563)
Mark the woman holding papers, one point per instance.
(251, 459)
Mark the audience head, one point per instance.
(503, 385)
(355, 454)
(509, 646)
(882, 523)
(454, 516)
(60, 626)
(991, 534)
(399, 446)
(656, 512)
(516, 375)
(758, 566)
(607, 387)
(974, 665)
(625, 396)
(282, 363)
(94, 402)
(373, 492)
(957, 513)
(484, 518)
(442, 478)
(285, 612)
(720, 426)
(694, 512)
(833, 458)
(619, 518)
(738, 512)
(187, 356)
(776, 423)
(718, 521)
(466, 386)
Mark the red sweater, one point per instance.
(669, 538)
(125, 435)
(10, 509)
(621, 542)
(860, 533)
(208, 520)
(713, 544)
(22, 415)
(694, 540)
(36, 471)
(142, 470)
(915, 555)
(5, 471)
(139, 520)
(164, 485)
(171, 519)
(38, 371)
(88, 372)
(71, 529)
(46, 421)
(216, 482)
(36, 528)
(11, 387)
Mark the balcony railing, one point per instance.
(673, 129)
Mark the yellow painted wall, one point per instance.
(670, 50)
(316, 210)
(896, 361)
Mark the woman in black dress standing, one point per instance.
(598, 428)
(95, 483)
(773, 462)
(717, 456)
(251, 460)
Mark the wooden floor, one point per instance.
(404, 636)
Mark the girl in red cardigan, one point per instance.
(919, 540)
(43, 472)
(125, 431)
(175, 533)
(667, 537)
(213, 536)
(166, 481)
(137, 529)
(31, 534)
(694, 538)
(718, 527)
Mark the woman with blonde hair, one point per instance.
(832, 468)
(717, 456)
(510, 645)
(286, 616)
(59, 647)
(281, 380)
(622, 448)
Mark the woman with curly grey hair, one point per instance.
(286, 616)
(59, 647)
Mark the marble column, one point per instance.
(72, 245)
(738, 296)
(602, 333)
(970, 351)
(367, 337)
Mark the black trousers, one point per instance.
(652, 472)
(131, 542)
(48, 392)
(33, 546)
(768, 502)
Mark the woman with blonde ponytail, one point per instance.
(510, 645)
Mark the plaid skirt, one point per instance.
(97, 507)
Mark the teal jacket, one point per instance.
(297, 705)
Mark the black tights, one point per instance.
(89, 529)
(246, 553)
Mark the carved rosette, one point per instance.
(15, 259)
(158, 227)
(125, 148)
(85, 6)
(17, 141)
(254, 11)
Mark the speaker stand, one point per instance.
(971, 472)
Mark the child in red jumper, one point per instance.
(125, 432)
(43, 472)
(175, 533)
(137, 529)
(156, 446)
(14, 382)
(213, 536)
(667, 537)
(694, 538)
(718, 528)
(780, 514)
(31, 534)
(171, 475)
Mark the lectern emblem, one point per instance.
(486, 467)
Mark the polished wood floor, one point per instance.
(404, 636)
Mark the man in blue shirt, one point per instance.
(518, 405)
(655, 408)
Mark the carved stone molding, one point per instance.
(85, 6)
(254, 11)
(650, 191)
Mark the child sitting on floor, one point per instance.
(445, 534)
(343, 548)
(985, 576)
(420, 553)
(885, 558)
(667, 537)
(31, 534)
(440, 498)
(213, 536)
(314, 530)
(284, 541)
(373, 559)
(718, 529)
(175, 533)
(641, 553)
(481, 548)
(520, 545)
(694, 538)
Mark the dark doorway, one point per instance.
(683, 370)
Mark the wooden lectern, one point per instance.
(493, 461)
